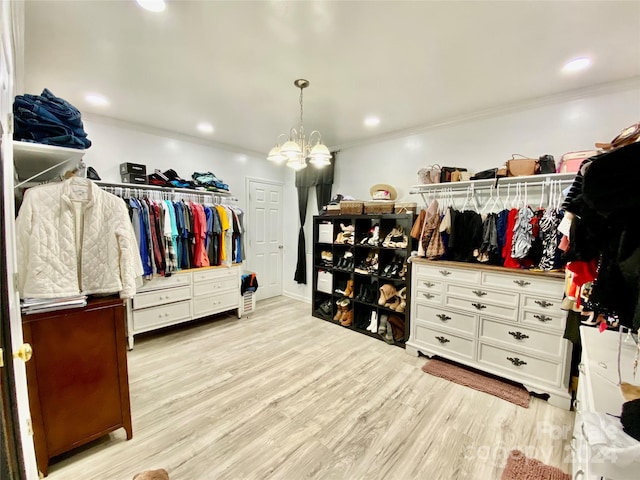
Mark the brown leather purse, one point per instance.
(521, 167)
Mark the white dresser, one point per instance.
(502, 321)
(185, 295)
(598, 393)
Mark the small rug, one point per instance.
(519, 467)
(478, 381)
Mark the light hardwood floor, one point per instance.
(283, 395)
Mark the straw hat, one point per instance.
(382, 191)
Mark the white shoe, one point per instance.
(373, 325)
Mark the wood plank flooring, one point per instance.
(283, 395)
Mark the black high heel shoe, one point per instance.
(387, 269)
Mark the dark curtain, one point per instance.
(322, 179)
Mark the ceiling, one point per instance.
(233, 64)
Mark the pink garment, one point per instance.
(200, 257)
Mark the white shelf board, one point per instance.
(32, 158)
(540, 178)
(138, 186)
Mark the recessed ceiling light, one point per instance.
(577, 64)
(96, 99)
(152, 5)
(205, 127)
(371, 121)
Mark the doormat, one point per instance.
(478, 381)
(519, 467)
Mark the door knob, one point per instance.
(280, 247)
(24, 353)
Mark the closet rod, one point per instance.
(187, 191)
(465, 186)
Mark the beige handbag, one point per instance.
(521, 167)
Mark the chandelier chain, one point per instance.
(301, 107)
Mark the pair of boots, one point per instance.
(367, 294)
(348, 291)
(344, 315)
(392, 299)
(391, 328)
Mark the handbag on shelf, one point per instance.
(486, 174)
(451, 174)
(521, 167)
(570, 162)
(546, 164)
(429, 174)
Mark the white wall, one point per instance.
(115, 142)
(477, 144)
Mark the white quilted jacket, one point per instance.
(46, 243)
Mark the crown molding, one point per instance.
(576, 94)
(160, 132)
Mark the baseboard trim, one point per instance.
(295, 296)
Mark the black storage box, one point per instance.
(136, 168)
(134, 178)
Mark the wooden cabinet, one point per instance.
(77, 377)
(505, 322)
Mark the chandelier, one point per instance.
(296, 149)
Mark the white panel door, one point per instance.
(264, 255)
(10, 36)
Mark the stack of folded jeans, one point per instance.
(49, 120)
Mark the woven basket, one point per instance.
(351, 207)
(378, 207)
(406, 207)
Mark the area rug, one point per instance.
(519, 467)
(478, 381)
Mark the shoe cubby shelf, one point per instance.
(358, 261)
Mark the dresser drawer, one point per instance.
(428, 297)
(157, 282)
(541, 304)
(525, 284)
(446, 342)
(519, 337)
(519, 364)
(155, 317)
(484, 295)
(426, 284)
(449, 274)
(215, 286)
(215, 273)
(464, 323)
(552, 320)
(208, 305)
(160, 297)
(483, 308)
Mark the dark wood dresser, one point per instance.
(77, 377)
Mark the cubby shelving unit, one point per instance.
(387, 258)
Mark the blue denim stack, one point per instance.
(48, 119)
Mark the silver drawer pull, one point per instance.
(576, 405)
(479, 306)
(543, 318)
(518, 335)
(521, 283)
(516, 361)
(428, 296)
(581, 367)
(572, 444)
(442, 339)
(445, 273)
(543, 303)
(479, 293)
(443, 317)
(429, 284)
(579, 475)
